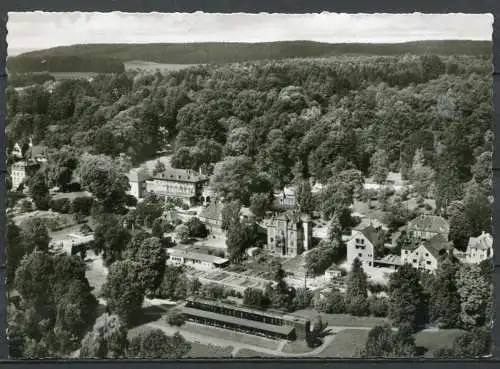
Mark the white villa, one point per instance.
(203, 262)
(362, 245)
(480, 248)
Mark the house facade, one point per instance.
(479, 249)
(186, 185)
(426, 254)
(289, 234)
(20, 171)
(426, 227)
(362, 245)
(137, 179)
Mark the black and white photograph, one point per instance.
(203, 185)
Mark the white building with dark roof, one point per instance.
(184, 184)
(137, 179)
(480, 248)
(362, 245)
(289, 234)
(426, 254)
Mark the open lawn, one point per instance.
(202, 351)
(230, 335)
(428, 341)
(247, 353)
(297, 347)
(347, 343)
(152, 66)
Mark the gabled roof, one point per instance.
(436, 245)
(481, 242)
(374, 235)
(429, 223)
(180, 175)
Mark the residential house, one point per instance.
(199, 261)
(363, 245)
(289, 234)
(425, 227)
(480, 248)
(137, 179)
(22, 170)
(183, 184)
(426, 254)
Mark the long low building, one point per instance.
(247, 320)
(196, 260)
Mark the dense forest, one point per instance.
(107, 58)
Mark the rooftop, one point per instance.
(481, 242)
(180, 175)
(280, 329)
(429, 223)
(196, 255)
(374, 235)
(138, 175)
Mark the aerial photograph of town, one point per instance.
(249, 185)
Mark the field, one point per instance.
(202, 351)
(429, 340)
(152, 66)
(347, 343)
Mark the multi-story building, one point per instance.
(425, 227)
(22, 170)
(480, 248)
(289, 234)
(363, 244)
(186, 185)
(137, 179)
(211, 215)
(426, 254)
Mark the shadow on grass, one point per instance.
(151, 314)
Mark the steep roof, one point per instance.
(212, 211)
(181, 175)
(374, 235)
(37, 151)
(436, 245)
(196, 255)
(481, 242)
(430, 223)
(138, 175)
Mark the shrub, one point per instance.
(379, 306)
(61, 205)
(82, 205)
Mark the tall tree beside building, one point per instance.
(407, 302)
(357, 290)
(444, 304)
(421, 176)
(155, 344)
(124, 290)
(39, 191)
(475, 293)
(305, 197)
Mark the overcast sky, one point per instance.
(39, 30)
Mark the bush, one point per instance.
(197, 228)
(379, 306)
(176, 318)
(82, 205)
(61, 205)
(130, 200)
(26, 206)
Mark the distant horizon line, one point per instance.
(21, 51)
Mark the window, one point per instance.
(406, 251)
(426, 254)
(415, 261)
(359, 255)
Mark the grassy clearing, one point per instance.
(430, 341)
(230, 335)
(297, 347)
(347, 343)
(247, 353)
(199, 350)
